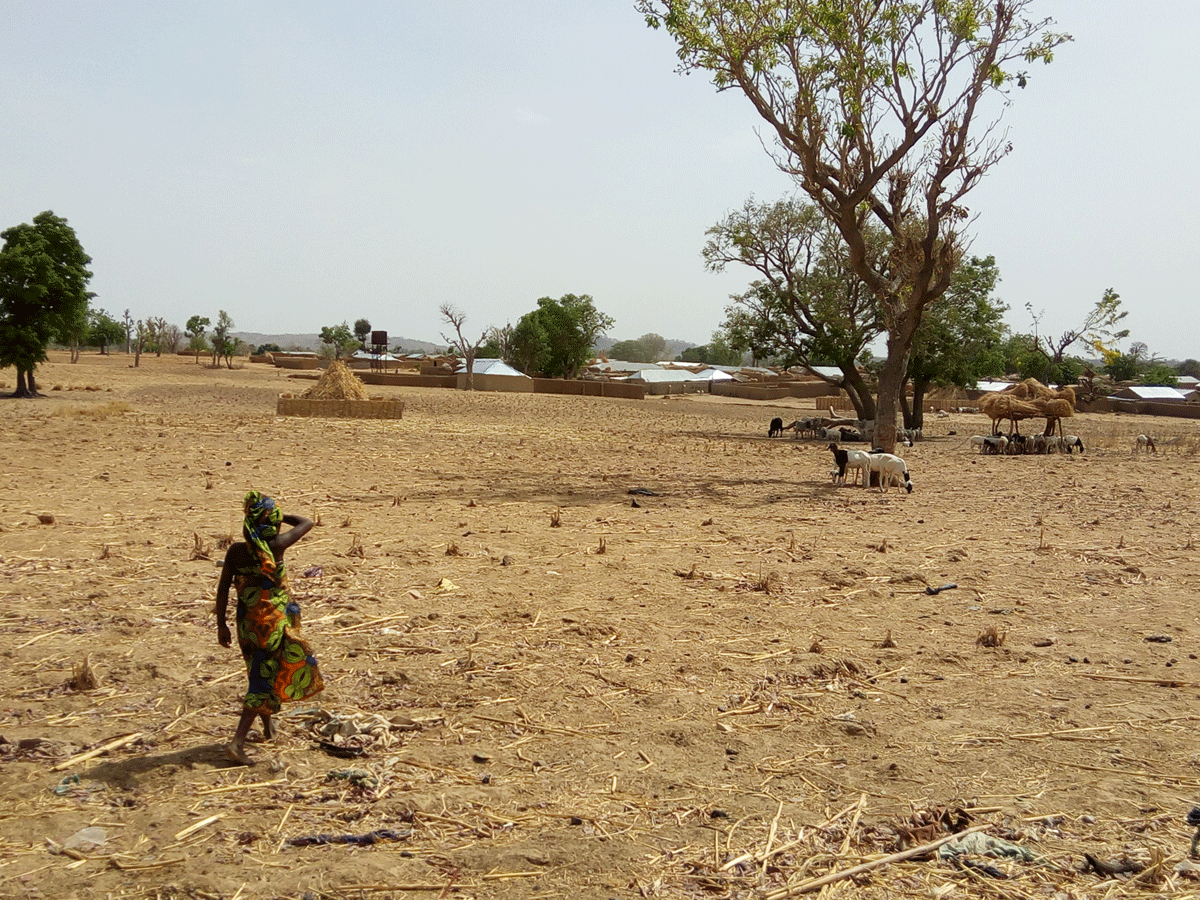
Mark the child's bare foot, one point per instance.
(268, 732)
(235, 752)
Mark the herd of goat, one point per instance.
(1016, 444)
(846, 431)
(875, 467)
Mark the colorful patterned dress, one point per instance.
(279, 662)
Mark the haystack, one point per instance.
(1032, 389)
(337, 383)
(1008, 406)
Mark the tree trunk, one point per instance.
(26, 386)
(891, 383)
(470, 372)
(918, 406)
(74, 353)
(860, 394)
(905, 409)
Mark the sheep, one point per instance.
(1070, 442)
(1145, 442)
(839, 458)
(776, 429)
(860, 461)
(1039, 443)
(890, 467)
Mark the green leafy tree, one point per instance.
(339, 339)
(362, 330)
(960, 339)
(43, 293)
(194, 330)
(1098, 329)
(808, 307)
(1139, 364)
(1158, 373)
(717, 352)
(556, 339)
(646, 349)
(1122, 366)
(879, 112)
(630, 351)
(224, 344)
(1189, 367)
(75, 331)
(267, 348)
(103, 330)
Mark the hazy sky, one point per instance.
(301, 164)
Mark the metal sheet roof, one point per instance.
(495, 367)
(1155, 392)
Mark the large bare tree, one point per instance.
(882, 110)
(451, 315)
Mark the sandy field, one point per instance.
(539, 684)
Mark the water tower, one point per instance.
(379, 343)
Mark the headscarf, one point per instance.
(262, 522)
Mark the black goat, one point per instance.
(839, 459)
(776, 429)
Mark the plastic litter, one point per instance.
(360, 840)
(87, 839)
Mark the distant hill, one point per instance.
(410, 345)
(313, 342)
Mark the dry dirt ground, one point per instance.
(562, 689)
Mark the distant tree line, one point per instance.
(806, 307)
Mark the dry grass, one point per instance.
(643, 721)
(103, 411)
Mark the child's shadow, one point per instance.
(125, 773)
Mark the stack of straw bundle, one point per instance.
(337, 383)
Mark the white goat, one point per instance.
(860, 461)
(1146, 443)
(990, 444)
(890, 468)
